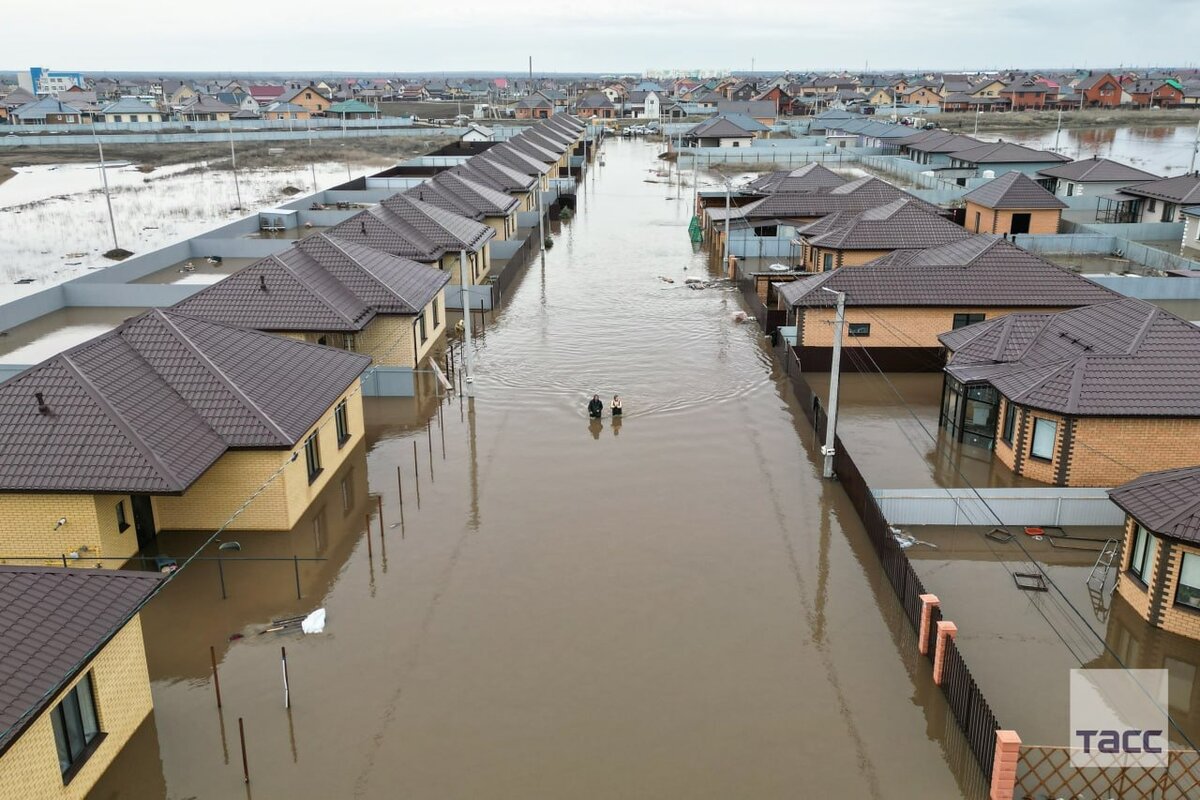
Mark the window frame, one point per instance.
(1179, 584)
(827, 262)
(859, 330)
(1142, 555)
(1033, 439)
(122, 517)
(341, 421)
(312, 456)
(78, 753)
(1009, 425)
(965, 318)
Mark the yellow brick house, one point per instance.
(1159, 573)
(169, 421)
(1094, 396)
(73, 668)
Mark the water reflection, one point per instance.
(1161, 149)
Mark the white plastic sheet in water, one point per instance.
(314, 622)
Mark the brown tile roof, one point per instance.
(319, 284)
(1166, 503)
(455, 192)
(495, 175)
(513, 158)
(1005, 153)
(530, 147)
(942, 142)
(1123, 358)
(1013, 190)
(857, 195)
(984, 271)
(149, 406)
(1181, 189)
(405, 226)
(803, 179)
(903, 223)
(1097, 170)
(52, 622)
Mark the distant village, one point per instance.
(46, 96)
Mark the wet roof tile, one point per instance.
(1013, 190)
(1167, 503)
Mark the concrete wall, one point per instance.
(1057, 506)
(187, 138)
(121, 686)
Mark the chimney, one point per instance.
(362, 226)
(262, 282)
(41, 401)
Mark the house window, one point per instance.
(1070, 189)
(122, 520)
(1188, 591)
(1151, 205)
(963, 320)
(858, 329)
(977, 218)
(342, 420)
(1044, 433)
(76, 728)
(312, 457)
(1010, 422)
(437, 314)
(827, 262)
(1141, 560)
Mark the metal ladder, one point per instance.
(1098, 578)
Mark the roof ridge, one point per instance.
(1142, 331)
(312, 290)
(338, 245)
(98, 397)
(220, 374)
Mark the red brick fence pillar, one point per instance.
(928, 603)
(1004, 765)
(945, 632)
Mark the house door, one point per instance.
(1020, 223)
(143, 519)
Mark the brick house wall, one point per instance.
(27, 527)
(896, 327)
(121, 684)
(1155, 601)
(1041, 220)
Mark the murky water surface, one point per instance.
(675, 605)
(1161, 149)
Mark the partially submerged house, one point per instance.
(414, 229)
(897, 305)
(73, 668)
(1013, 203)
(722, 132)
(1088, 397)
(456, 192)
(847, 238)
(169, 422)
(1159, 200)
(1091, 177)
(1004, 156)
(1159, 568)
(331, 292)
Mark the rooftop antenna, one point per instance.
(262, 282)
(41, 401)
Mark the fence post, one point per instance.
(945, 632)
(928, 602)
(1004, 765)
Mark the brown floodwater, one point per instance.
(675, 605)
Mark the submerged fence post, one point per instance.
(370, 554)
(212, 652)
(945, 632)
(296, 570)
(1004, 766)
(245, 763)
(287, 692)
(928, 603)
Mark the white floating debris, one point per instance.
(314, 622)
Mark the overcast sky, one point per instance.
(609, 36)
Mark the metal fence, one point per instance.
(970, 709)
(1050, 772)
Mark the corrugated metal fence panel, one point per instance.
(1150, 288)
(1049, 506)
(181, 138)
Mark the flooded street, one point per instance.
(673, 606)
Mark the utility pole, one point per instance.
(835, 373)
(1058, 130)
(104, 178)
(978, 111)
(1195, 149)
(725, 255)
(541, 216)
(233, 160)
(468, 357)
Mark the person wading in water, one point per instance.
(616, 405)
(596, 407)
